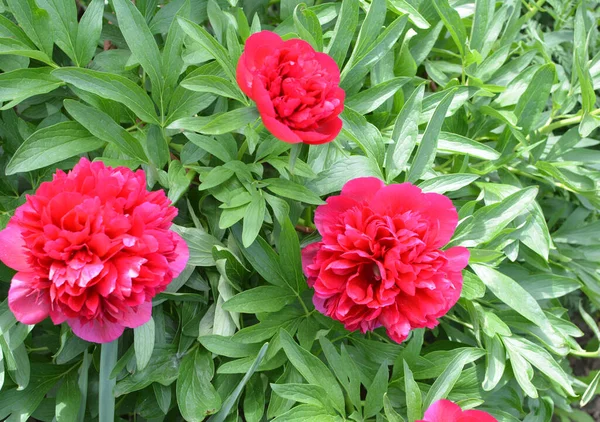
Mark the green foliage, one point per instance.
(491, 103)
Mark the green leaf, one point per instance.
(302, 393)
(413, 395)
(305, 413)
(487, 222)
(390, 413)
(364, 134)
(358, 68)
(534, 99)
(215, 85)
(9, 29)
(404, 135)
(452, 21)
(515, 296)
(253, 219)
(542, 360)
(157, 146)
(313, 370)
(425, 154)
(88, 33)
(447, 183)
(216, 50)
(549, 286)
(590, 391)
(196, 396)
(233, 397)
(222, 150)
(375, 392)
(446, 381)
(292, 190)
(143, 343)
(114, 87)
(141, 43)
(403, 7)
(370, 99)
(289, 250)
(103, 127)
(457, 144)
(228, 346)
(218, 124)
(484, 12)
(63, 15)
(35, 23)
(21, 84)
(523, 372)
(343, 32)
(495, 363)
(338, 173)
(15, 47)
(200, 245)
(308, 26)
(50, 145)
(68, 399)
(260, 299)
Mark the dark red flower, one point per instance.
(380, 263)
(295, 88)
(92, 248)
(446, 411)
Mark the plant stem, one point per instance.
(566, 122)
(106, 397)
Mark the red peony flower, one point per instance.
(295, 88)
(91, 248)
(379, 262)
(446, 411)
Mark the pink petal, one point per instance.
(258, 46)
(326, 132)
(29, 305)
(12, 248)
(327, 62)
(243, 76)
(443, 411)
(279, 130)
(362, 189)
(138, 315)
(397, 199)
(96, 331)
(308, 255)
(326, 216)
(443, 217)
(458, 258)
(183, 255)
(476, 416)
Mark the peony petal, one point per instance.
(244, 77)
(476, 416)
(327, 62)
(458, 258)
(12, 251)
(443, 411)
(309, 254)
(362, 189)
(95, 331)
(326, 132)
(258, 46)
(29, 305)
(443, 219)
(279, 130)
(327, 216)
(183, 255)
(397, 199)
(138, 315)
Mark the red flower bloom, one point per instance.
(446, 411)
(379, 262)
(295, 88)
(92, 248)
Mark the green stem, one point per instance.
(106, 396)
(566, 122)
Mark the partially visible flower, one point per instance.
(379, 262)
(446, 411)
(295, 88)
(92, 248)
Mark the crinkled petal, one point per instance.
(183, 255)
(96, 331)
(443, 411)
(28, 304)
(443, 219)
(12, 251)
